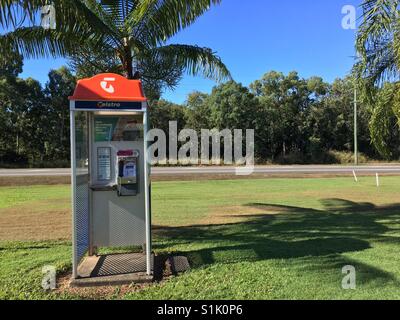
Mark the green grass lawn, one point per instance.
(246, 239)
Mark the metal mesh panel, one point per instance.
(126, 227)
(82, 216)
(82, 212)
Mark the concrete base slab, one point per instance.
(116, 280)
(112, 269)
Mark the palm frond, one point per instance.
(36, 42)
(125, 29)
(15, 12)
(120, 9)
(162, 19)
(109, 19)
(376, 40)
(380, 124)
(194, 60)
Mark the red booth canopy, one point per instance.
(108, 87)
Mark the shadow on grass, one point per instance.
(340, 227)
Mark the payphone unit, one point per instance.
(110, 171)
(128, 162)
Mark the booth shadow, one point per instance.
(341, 226)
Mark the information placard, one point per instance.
(104, 128)
(103, 163)
(118, 128)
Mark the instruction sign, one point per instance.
(103, 163)
(116, 128)
(104, 128)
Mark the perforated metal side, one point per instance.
(82, 216)
(82, 212)
(118, 221)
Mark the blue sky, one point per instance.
(255, 36)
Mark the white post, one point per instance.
(73, 192)
(377, 180)
(146, 196)
(355, 176)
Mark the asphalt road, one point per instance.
(309, 169)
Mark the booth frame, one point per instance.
(76, 259)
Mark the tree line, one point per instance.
(34, 119)
(296, 120)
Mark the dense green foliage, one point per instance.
(35, 120)
(296, 120)
(378, 41)
(378, 48)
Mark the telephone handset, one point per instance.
(128, 173)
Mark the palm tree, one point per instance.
(128, 32)
(378, 41)
(378, 46)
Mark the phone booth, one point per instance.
(110, 182)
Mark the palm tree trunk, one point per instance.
(129, 68)
(127, 62)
